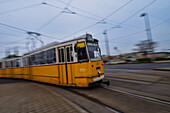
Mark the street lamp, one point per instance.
(148, 32)
(107, 40)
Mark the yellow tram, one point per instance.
(75, 62)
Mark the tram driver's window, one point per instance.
(82, 55)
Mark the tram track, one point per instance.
(112, 100)
(138, 72)
(141, 88)
(151, 82)
(96, 101)
(139, 96)
(70, 93)
(145, 73)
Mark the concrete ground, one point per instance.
(18, 96)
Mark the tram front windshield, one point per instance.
(94, 51)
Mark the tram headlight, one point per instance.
(98, 71)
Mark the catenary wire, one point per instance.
(129, 17)
(154, 26)
(94, 15)
(26, 31)
(18, 9)
(97, 22)
(51, 20)
(56, 16)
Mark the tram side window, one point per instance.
(61, 55)
(69, 54)
(7, 64)
(17, 63)
(82, 55)
(33, 61)
(0, 65)
(51, 56)
(25, 61)
(13, 63)
(44, 57)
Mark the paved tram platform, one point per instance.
(19, 96)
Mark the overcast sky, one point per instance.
(67, 19)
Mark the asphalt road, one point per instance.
(138, 66)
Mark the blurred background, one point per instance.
(129, 31)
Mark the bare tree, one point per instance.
(146, 46)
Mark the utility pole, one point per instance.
(106, 43)
(148, 33)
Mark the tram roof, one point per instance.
(57, 43)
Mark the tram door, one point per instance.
(65, 58)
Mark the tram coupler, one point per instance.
(107, 82)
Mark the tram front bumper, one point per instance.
(98, 79)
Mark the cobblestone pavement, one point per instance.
(26, 97)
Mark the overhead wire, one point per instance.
(13, 27)
(26, 31)
(94, 15)
(8, 34)
(135, 13)
(13, 10)
(87, 12)
(100, 20)
(44, 3)
(97, 15)
(51, 20)
(56, 16)
(128, 36)
(124, 5)
(129, 17)
(5, 1)
(72, 33)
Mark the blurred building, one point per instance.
(136, 55)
